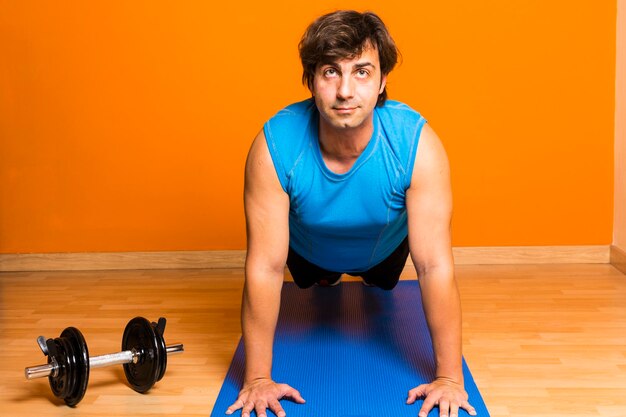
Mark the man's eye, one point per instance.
(330, 72)
(362, 73)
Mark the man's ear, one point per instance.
(383, 83)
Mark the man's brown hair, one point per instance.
(344, 34)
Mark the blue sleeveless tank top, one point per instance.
(345, 222)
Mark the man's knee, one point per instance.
(305, 274)
(385, 282)
(388, 285)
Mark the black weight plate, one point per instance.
(59, 383)
(162, 348)
(140, 335)
(80, 357)
(72, 357)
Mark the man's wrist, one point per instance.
(450, 379)
(254, 378)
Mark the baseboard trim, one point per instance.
(618, 258)
(503, 255)
(122, 260)
(236, 258)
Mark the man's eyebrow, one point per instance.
(358, 65)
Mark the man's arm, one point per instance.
(267, 223)
(429, 207)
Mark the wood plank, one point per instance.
(236, 258)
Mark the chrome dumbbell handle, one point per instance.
(127, 356)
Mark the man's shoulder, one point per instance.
(399, 120)
(288, 133)
(401, 127)
(290, 122)
(393, 108)
(301, 108)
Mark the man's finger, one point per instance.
(277, 408)
(293, 393)
(416, 393)
(468, 407)
(428, 405)
(261, 408)
(444, 408)
(454, 409)
(235, 406)
(247, 409)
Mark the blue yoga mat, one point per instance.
(351, 351)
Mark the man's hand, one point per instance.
(261, 394)
(444, 392)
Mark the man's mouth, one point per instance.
(344, 109)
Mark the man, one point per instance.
(335, 185)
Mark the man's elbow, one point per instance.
(265, 269)
(440, 270)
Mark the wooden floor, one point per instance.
(546, 340)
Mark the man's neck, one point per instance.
(341, 147)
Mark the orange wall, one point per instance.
(124, 126)
(619, 228)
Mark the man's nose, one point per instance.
(346, 88)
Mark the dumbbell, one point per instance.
(144, 356)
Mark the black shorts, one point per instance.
(384, 275)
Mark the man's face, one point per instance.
(346, 91)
